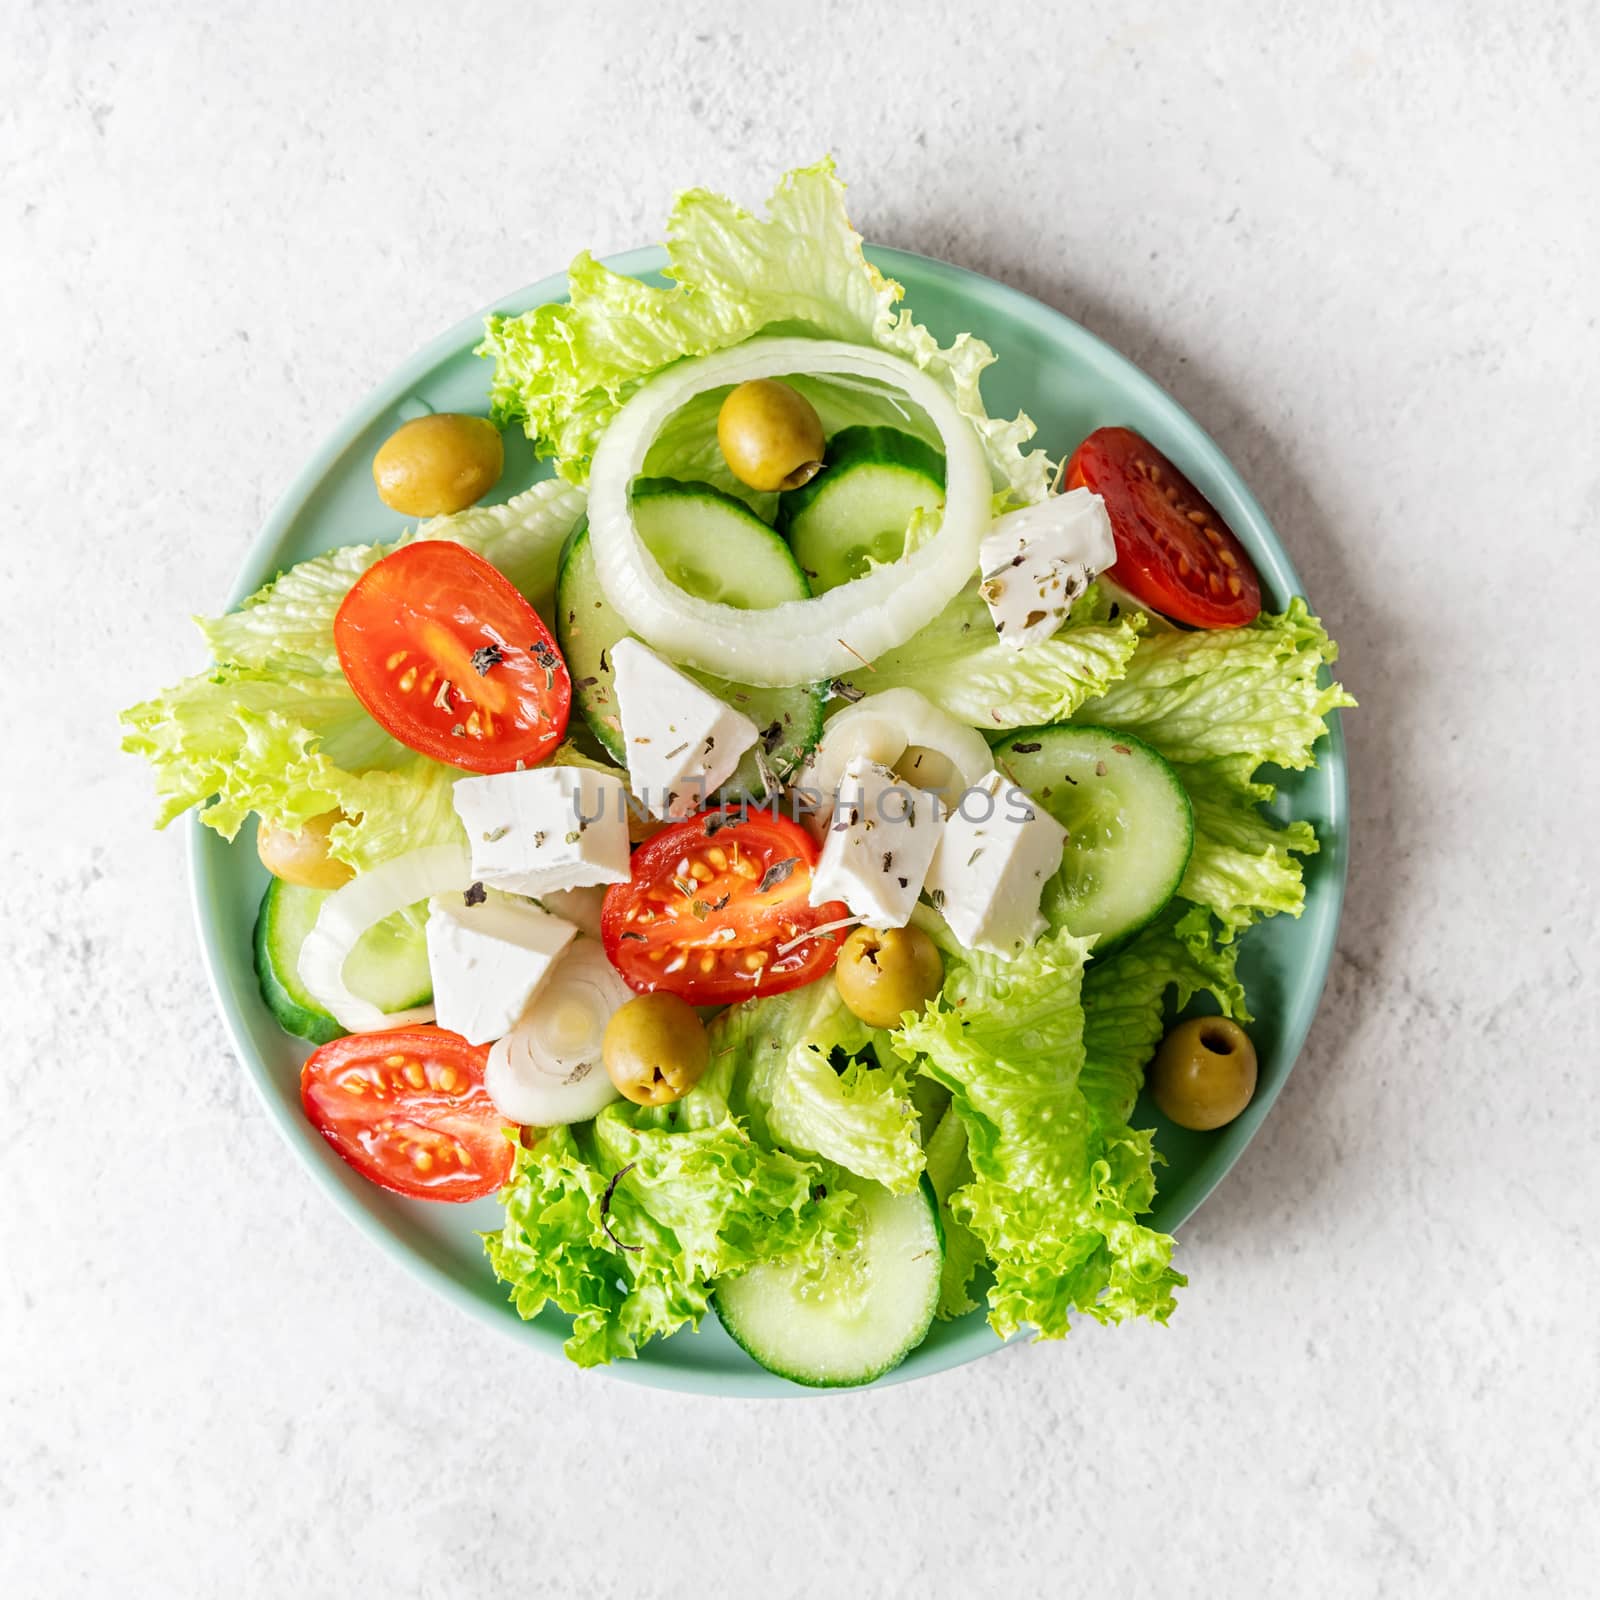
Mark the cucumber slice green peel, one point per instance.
(858, 1317)
(388, 966)
(713, 546)
(1129, 822)
(856, 512)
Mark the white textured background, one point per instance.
(1361, 243)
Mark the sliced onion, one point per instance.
(925, 747)
(799, 641)
(548, 1070)
(347, 913)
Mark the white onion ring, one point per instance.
(800, 641)
(347, 913)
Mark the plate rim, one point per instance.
(260, 562)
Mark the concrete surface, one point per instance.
(1359, 241)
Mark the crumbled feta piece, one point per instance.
(879, 846)
(998, 850)
(545, 828)
(487, 960)
(1037, 561)
(682, 742)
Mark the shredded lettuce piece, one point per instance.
(274, 728)
(565, 370)
(1055, 1191)
(959, 662)
(1218, 705)
(624, 1224)
(810, 1076)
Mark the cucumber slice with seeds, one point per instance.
(388, 966)
(866, 1311)
(855, 513)
(1129, 822)
(717, 548)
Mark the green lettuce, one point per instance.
(624, 1224)
(1124, 1003)
(563, 371)
(1218, 705)
(960, 663)
(274, 728)
(1055, 1190)
(289, 622)
(948, 1171)
(810, 1076)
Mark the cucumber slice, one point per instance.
(388, 966)
(717, 548)
(870, 1309)
(854, 514)
(1129, 823)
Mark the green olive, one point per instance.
(883, 974)
(434, 465)
(300, 855)
(655, 1049)
(1204, 1073)
(771, 435)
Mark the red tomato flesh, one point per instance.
(408, 1110)
(1174, 553)
(450, 659)
(712, 902)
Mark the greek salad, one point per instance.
(765, 854)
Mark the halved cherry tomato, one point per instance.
(408, 1110)
(711, 905)
(449, 657)
(1174, 553)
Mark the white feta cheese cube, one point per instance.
(681, 741)
(487, 960)
(997, 852)
(1037, 561)
(878, 849)
(546, 828)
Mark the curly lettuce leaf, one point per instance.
(948, 1171)
(1124, 1003)
(807, 1077)
(1055, 1192)
(623, 1225)
(565, 370)
(960, 663)
(1218, 705)
(289, 621)
(275, 729)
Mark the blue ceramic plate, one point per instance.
(1070, 383)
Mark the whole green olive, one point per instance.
(655, 1049)
(434, 465)
(882, 974)
(300, 855)
(771, 435)
(1204, 1073)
